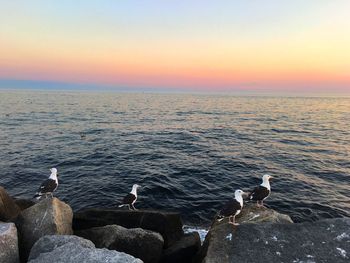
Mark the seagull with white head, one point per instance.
(130, 198)
(260, 193)
(48, 186)
(232, 208)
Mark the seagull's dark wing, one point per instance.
(47, 186)
(259, 193)
(129, 199)
(230, 208)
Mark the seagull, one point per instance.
(48, 186)
(260, 193)
(232, 208)
(130, 198)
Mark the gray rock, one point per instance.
(68, 249)
(48, 217)
(250, 214)
(253, 214)
(8, 243)
(140, 243)
(8, 208)
(322, 241)
(49, 243)
(168, 224)
(183, 250)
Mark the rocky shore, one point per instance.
(49, 231)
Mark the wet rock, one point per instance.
(8, 243)
(253, 214)
(168, 224)
(48, 217)
(66, 249)
(321, 241)
(8, 208)
(143, 244)
(183, 250)
(249, 215)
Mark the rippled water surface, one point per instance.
(189, 152)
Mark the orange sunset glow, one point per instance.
(195, 47)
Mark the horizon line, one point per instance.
(49, 85)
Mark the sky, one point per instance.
(200, 45)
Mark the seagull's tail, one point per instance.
(219, 218)
(37, 196)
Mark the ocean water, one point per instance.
(188, 152)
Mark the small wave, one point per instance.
(201, 231)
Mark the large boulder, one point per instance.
(64, 249)
(48, 217)
(8, 243)
(322, 241)
(253, 214)
(48, 243)
(8, 208)
(168, 224)
(140, 243)
(183, 250)
(250, 214)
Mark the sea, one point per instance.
(189, 152)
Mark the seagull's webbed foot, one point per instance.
(231, 221)
(259, 204)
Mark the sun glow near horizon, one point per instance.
(222, 45)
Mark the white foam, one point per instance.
(342, 252)
(342, 236)
(201, 231)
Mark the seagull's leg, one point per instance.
(129, 207)
(133, 207)
(257, 203)
(233, 222)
